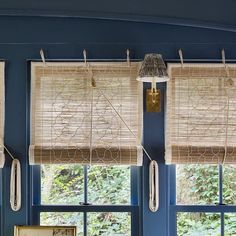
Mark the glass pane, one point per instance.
(109, 185)
(197, 184)
(230, 224)
(62, 184)
(198, 224)
(229, 184)
(63, 218)
(109, 224)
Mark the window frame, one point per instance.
(134, 208)
(174, 208)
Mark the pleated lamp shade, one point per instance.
(153, 69)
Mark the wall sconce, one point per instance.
(153, 70)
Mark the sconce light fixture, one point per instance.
(153, 70)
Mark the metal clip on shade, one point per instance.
(224, 62)
(128, 57)
(181, 57)
(42, 57)
(85, 57)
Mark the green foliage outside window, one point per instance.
(198, 184)
(64, 184)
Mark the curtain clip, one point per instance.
(128, 58)
(42, 57)
(224, 62)
(85, 57)
(181, 57)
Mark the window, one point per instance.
(81, 140)
(200, 141)
(68, 190)
(203, 200)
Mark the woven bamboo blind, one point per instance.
(201, 114)
(2, 112)
(80, 114)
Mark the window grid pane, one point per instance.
(73, 184)
(62, 184)
(195, 223)
(109, 185)
(230, 224)
(63, 218)
(197, 184)
(109, 223)
(198, 224)
(229, 184)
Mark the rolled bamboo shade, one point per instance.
(2, 112)
(80, 113)
(201, 114)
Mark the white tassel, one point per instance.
(153, 186)
(15, 186)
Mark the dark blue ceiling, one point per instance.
(203, 13)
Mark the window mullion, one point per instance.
(221, 198)
(36, 176)
(85, 184)
(85, 197)
(35, 194)
(85, 223)
(172, 214)
(172, 181)
(220, 184)
(134, 186)
(222, 215)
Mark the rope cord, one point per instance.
(91, 129)
(93, 85)
(226, 131)
(13, 158)
(145, 151)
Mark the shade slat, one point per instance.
(73, 122)
(201, 114)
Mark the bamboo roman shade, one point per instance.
(86, 113)
(201, 114)
(2, 112)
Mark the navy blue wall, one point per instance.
(202, 12)
(21, 38)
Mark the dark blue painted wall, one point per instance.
(65, 38)
(201, 12)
